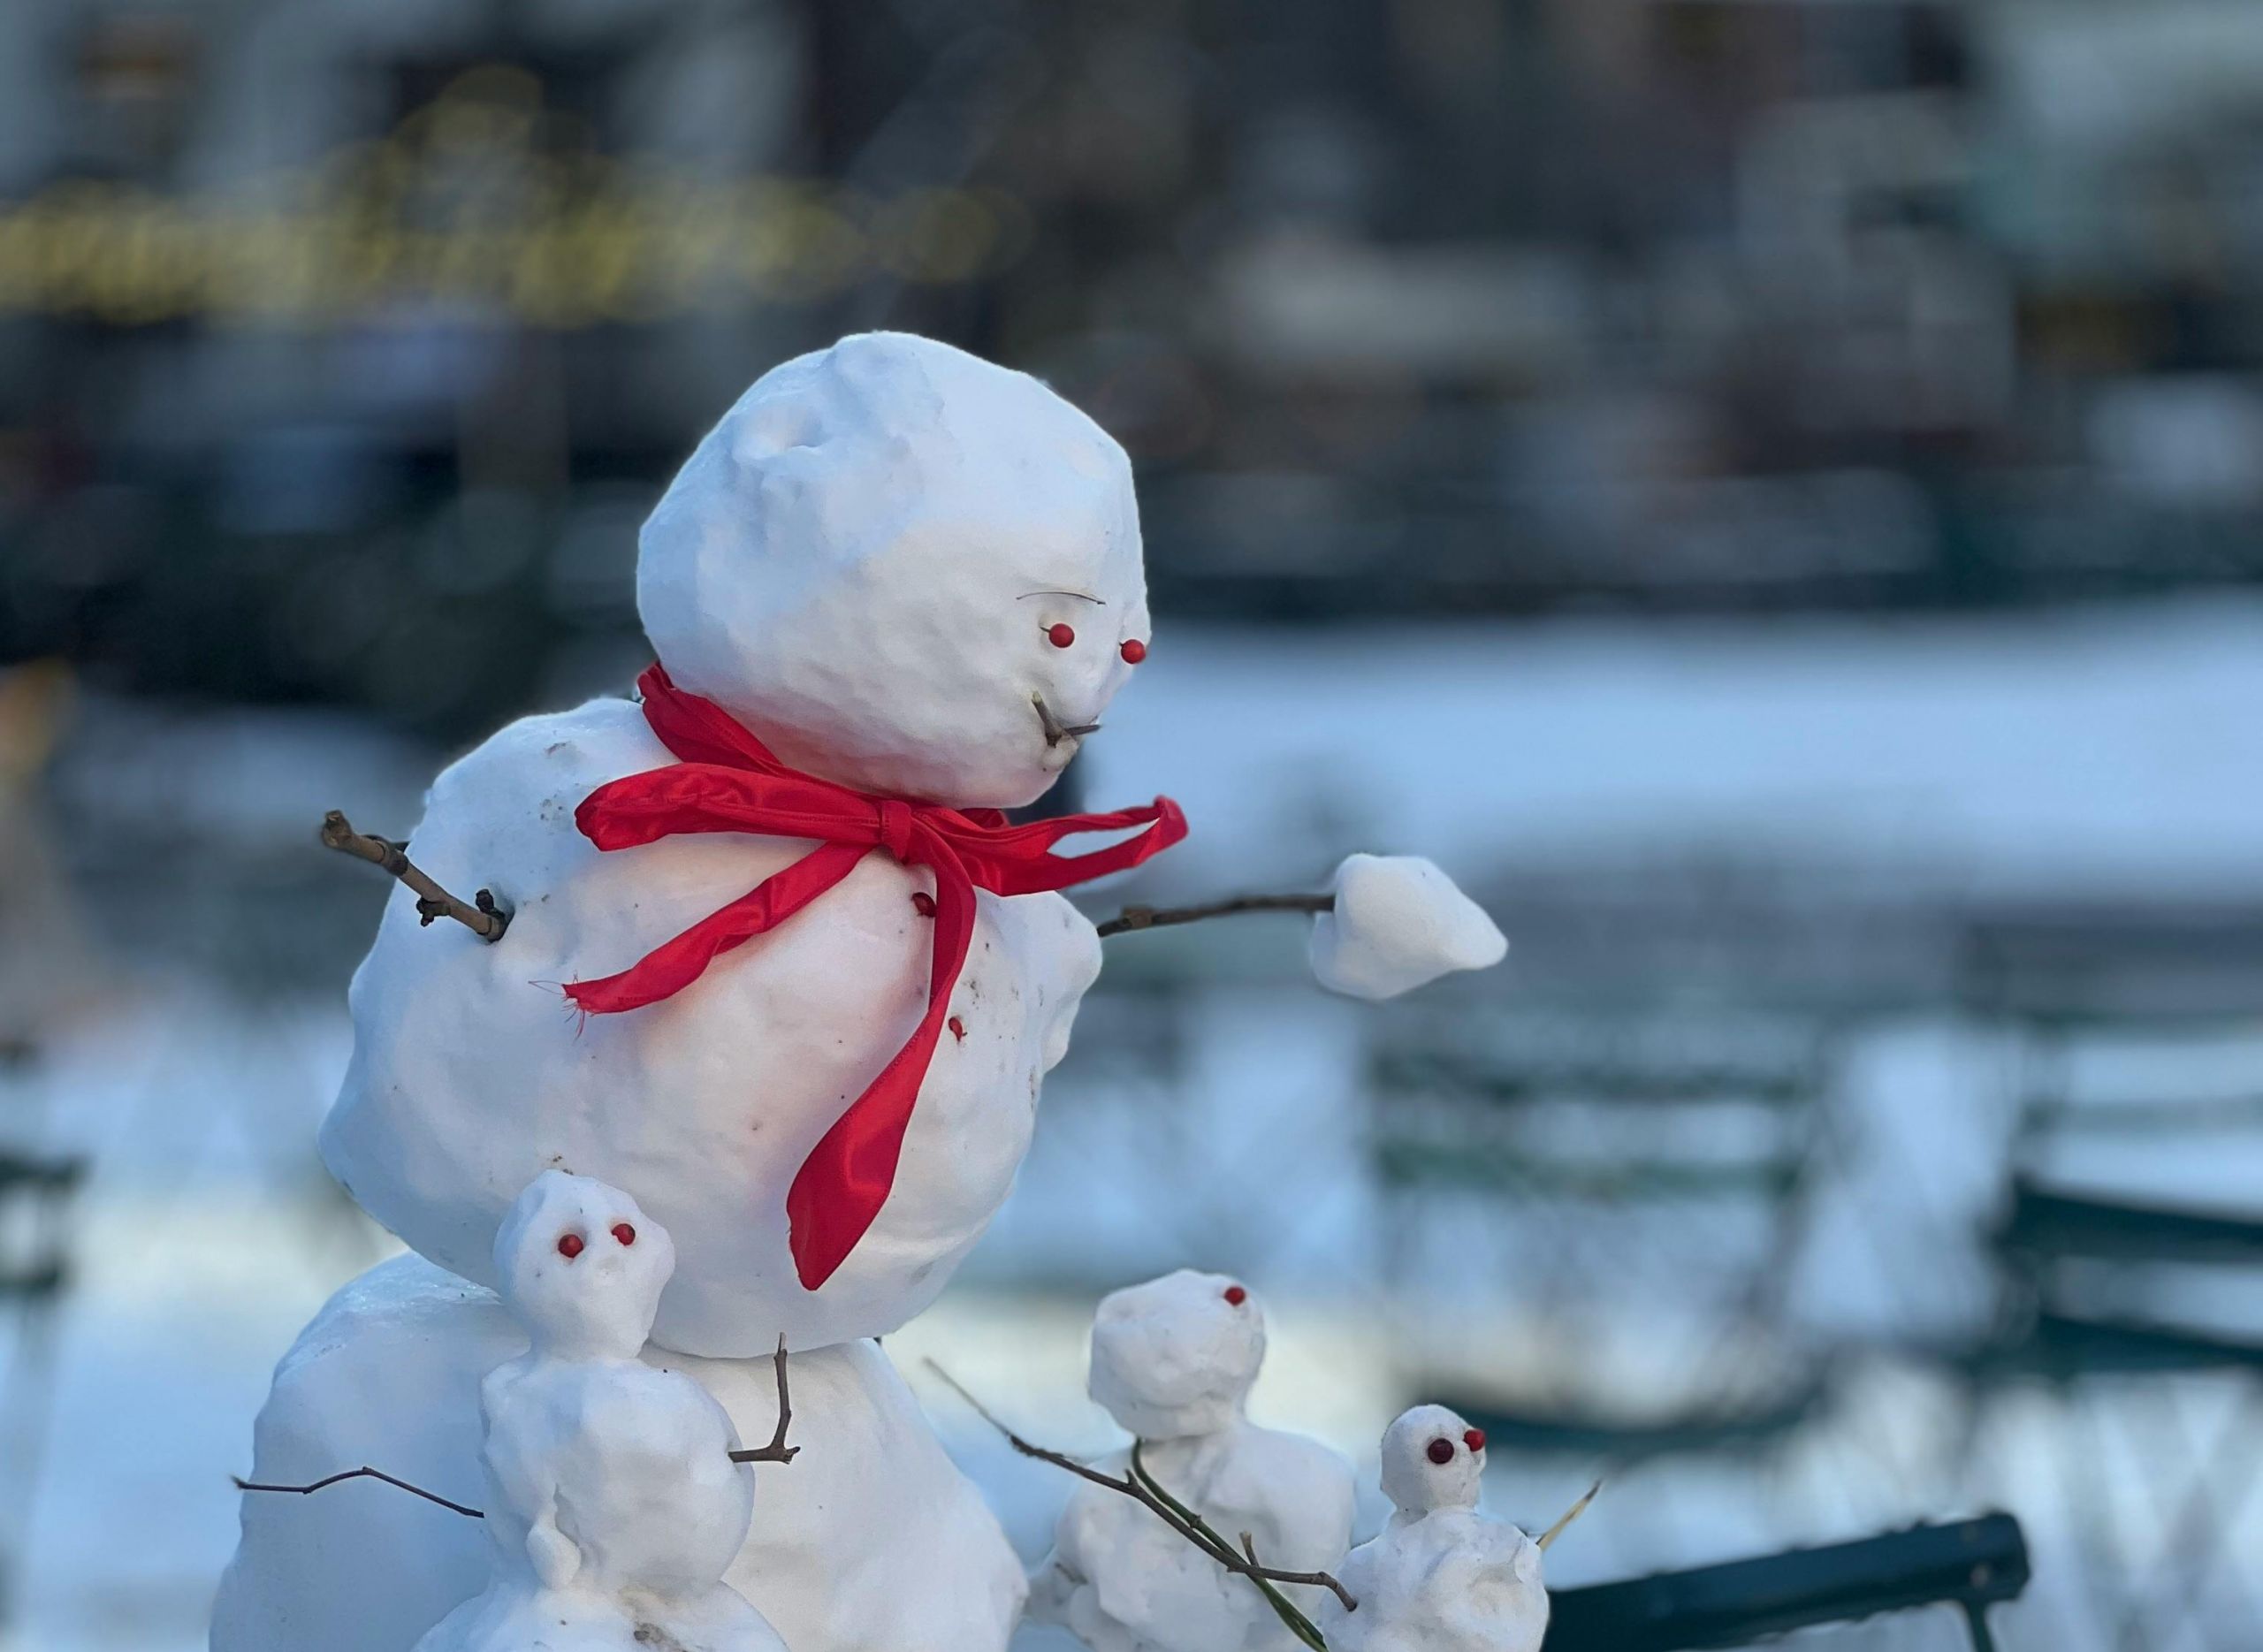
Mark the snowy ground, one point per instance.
(2086, 754)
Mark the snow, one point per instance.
(870, 1540)
(1398, 922)
(906, 570)
(613, 1503)
(1173, 1361)
(2101, 752)
(470, 1076)
(864, 561)
(1439, 1577)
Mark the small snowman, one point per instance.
(1173, 1361)
(1440, 1576)
(612, 1500)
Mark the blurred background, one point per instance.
(1769, 494)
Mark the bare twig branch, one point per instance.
(1570, 1515)
(777, 1450)
(1133, 917)
(1142, 1487)
(482, 917)
(364, 1473)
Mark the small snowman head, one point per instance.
(1432, 1459)
(905, 568)
(1175, 1357)
(582, 1267)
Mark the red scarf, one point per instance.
(729, 782)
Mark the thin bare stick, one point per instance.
(1143, 1489)
(777, 1450)
(482, 917)
(1133, 917)
(364, 1473)
(1570, 1515)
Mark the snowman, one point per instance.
(1172, 1361)
(612, 1500)
(776, 965)
(1439, 1577)
(773, 965)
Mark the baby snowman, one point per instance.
(1173, 1361)
(612, 1500)
(1439, 1577)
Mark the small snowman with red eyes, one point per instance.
(612, 1500)
(1173, 1361)
(1440, 1576)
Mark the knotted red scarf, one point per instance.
(729, 782)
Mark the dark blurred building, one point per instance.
(348, 339)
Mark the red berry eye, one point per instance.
(1060, 636)
(1133, 652)
(1476, 1439)
(623, 1232)
(569, 1245)
(1440, 1451)
(923, 903)
(1236, 1295)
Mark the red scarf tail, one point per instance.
(838, 1192)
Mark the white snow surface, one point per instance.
(1173, 1361)
(870, 1540)
(469, 1075)
(864, 561)
(612, 1500)
(1440, 1576)
(1398, 922)
(2098, 752)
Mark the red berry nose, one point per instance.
(1060, 636)
(1133, 652)
(1440, 1451)
(569, 1245)
(957, 1027)
(924, 904)
(623, 1232)
(1236, 1295)
(1475, 1438)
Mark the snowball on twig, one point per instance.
(1398, 923)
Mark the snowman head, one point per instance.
(903, 568)
(1432, 1459)
(582, 1267)
(1175, 1357)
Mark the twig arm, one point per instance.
(1569, 1515)
(481, 915)
(364, 1473)
(777, 1450)
(1133, 917)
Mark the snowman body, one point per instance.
(612, 1502)
(470, 1074)
(1173, 1361)
(1440, 1576)
(907, 572)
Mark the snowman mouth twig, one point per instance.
(480, 915)
(1056, 730)
(1142, 1487)
(777, 1450)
